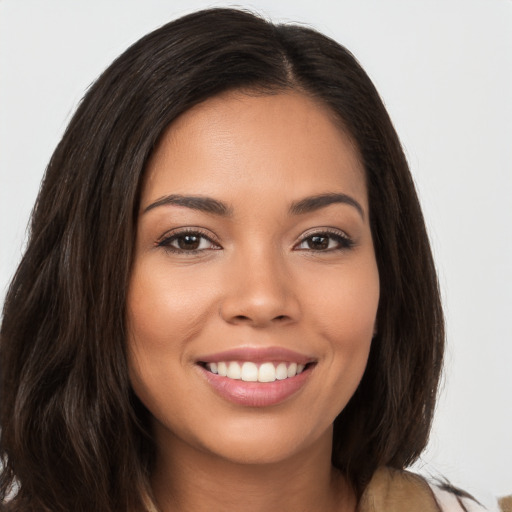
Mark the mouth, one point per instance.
(256, 377)
(251, 371)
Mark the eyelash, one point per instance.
(166, 241)
(342, 240)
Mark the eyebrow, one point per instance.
(201, 203)
(310, 204)
(210, 205)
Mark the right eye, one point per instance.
(189, 242)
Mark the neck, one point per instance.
(189, 480)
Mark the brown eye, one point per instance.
(318, 243)
(325, 242)
(188, 242)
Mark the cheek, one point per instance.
(344, 309)
(163, 310)
(164, 313)
(345, 303)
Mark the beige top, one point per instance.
(391, 490)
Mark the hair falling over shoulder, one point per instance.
(73, 434)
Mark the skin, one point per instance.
(259, 282)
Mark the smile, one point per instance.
(257, 377)
(249, 371)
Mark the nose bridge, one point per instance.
(260, 290)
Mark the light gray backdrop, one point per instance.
(444, 70)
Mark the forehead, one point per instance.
(238, 142)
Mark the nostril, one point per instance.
(244, 318)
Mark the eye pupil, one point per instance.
(189, 242)
(318, 242)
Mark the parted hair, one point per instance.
(73, 434)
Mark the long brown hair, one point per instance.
(73, 435)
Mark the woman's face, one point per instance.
(254, 258)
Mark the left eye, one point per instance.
(324, 242)
(188, 242)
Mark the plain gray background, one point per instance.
(444, 70)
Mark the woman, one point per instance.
(228, 299)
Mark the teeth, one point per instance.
(267, 373)
(251, 372)
(222, 369)
(281, 371)
(292, 370)
(234, 371)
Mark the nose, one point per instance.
(260, 292)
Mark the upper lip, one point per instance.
(257, 355)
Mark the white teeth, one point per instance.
(292, 370)
(281, 371)
(267, 373)
(222, 369)
(234, 371)
(251, 372)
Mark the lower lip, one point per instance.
(256, 394)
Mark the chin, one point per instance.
(262, 443)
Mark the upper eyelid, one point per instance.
(343, 238)
(176, 232)
(324, 230)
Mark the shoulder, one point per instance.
(392, 490)
(452, 499)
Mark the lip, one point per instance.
(256, 394)
(257, 355)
